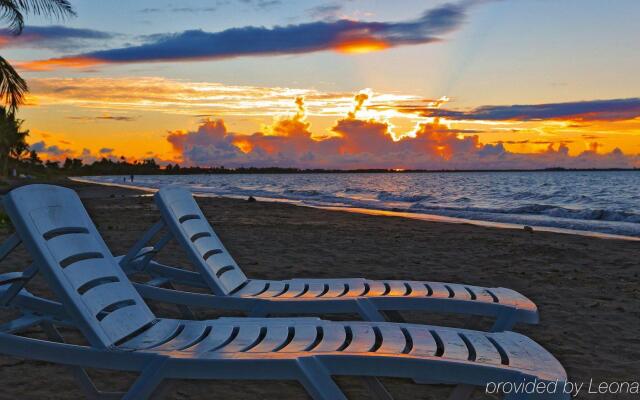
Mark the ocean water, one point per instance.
(597, 201)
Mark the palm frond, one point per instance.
(10, 11)
(53, 8)
(12, 86)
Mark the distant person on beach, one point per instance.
(131, 178)
(124, 179)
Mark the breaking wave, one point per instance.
(597, 201)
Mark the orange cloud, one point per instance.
(369, 143)
(361, 45)
(326, 129)
(192, 97)
(55, 63)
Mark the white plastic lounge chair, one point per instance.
(123, 334)
(231, 289)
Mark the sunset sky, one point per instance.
(337, 84)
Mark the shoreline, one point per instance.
(388, 213)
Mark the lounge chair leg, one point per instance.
(462, 392)
(89, 388)
(369, 312)
(148, 381)
(505, 321)
(16, 287)
(186, 312)
(377, 388)
(80, 374)
(317, 381)
(140, 244)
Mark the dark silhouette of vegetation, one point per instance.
(13, 145)
(32, 165)
(12, 86)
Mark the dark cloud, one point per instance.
(262, 4)
(289, 39)
(179, 10)
(106, 150)
(325, 11)
(53, 150)
(120, 118)
(532, 142)
(53, 37)
(593, 110)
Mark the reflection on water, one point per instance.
(607, 202)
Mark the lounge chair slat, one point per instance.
(460, 292)
(102, 296)
(376, 288)
(418, 289)
(422, 340)
(481, 294)
(274, 289)
(186, 337)
(439, 290)
(85, 271)
(485, 351)
(335, 288)
(333, 336)
(356, 287)
(396, 288)
(294, 289)
(154, 334)
(454, 347)
(518, 355)
(315, 289)
(205, 244)
(194, 226)
(253, 287)
(363, 338)
(275, 337)
(122, 322)
(219, 335)
(394, 341)
(304, 336)
(47, 219)
(528, 355)
(510, 297)
(247, 336)
(65, 247)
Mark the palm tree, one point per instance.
(12, 86)
(12, 139)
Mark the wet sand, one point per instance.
(587, 289)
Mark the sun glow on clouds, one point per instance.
(308, 127)
(361, 46)
(201, 98)
(56, 63)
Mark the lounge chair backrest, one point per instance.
(70, 253)
(205, 250)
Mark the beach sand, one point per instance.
(587, 289)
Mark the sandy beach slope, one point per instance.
(587, 289)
